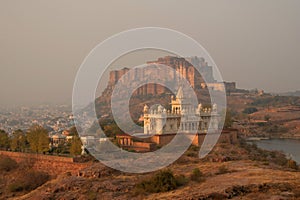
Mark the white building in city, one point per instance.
(183, 117)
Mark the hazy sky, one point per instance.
(43, 43)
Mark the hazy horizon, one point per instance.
(254, 43)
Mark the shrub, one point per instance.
(250, 110)
(29, 181)
(163, 181)
(292, 164)
(182, 160)
(192, 151)
(92, 195)
(15, 187)
(222, 170)
(267, 117)
(197, 175)
(181, 180)
(7, 164)
(280, 159)
(191, 154)
(194, 148)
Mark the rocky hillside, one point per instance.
(266, 115)
(228, 172)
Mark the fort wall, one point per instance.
(227, 136)
(53, 165)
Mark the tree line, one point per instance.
(37, 140)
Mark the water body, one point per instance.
(291, 147)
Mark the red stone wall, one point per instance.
(144, 145)
(54, 165)
(227, 136)
(162, 139)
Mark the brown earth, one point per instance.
(287, 117)
(243, 179)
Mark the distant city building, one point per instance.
(57, 139)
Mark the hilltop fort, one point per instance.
(184, 66)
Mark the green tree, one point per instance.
(112, 130)
(4, 140)
(76, 144)
(18, 141)
(38, 139)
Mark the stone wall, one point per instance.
(162, 139)
(150, 88)
(53, 165)
(146, 146)
(227, 136)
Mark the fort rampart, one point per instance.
(53, 165)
